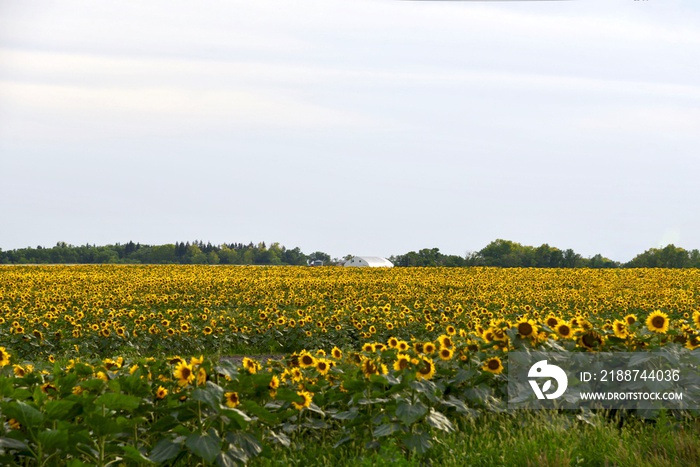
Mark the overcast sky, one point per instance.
(369, 127)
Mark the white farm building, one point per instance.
(368, 262)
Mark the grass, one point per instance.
(538, 438)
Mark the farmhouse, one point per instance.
(368, 262)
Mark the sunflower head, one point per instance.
(657, 321)
(446, 354)
(446, 342)
(183, 374)
(232, 399)
(306, 360)
(696, 319)
(620, 329)
(426, 368)
(323, 366)
(251, 366)
(590, 340)
(161, 392)
(402, 362)
(306, 398)
(493, 365)
(526, 328)
(564, 329)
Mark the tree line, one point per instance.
(499, 253)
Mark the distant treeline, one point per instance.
(499, 253)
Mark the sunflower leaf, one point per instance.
(410, 413)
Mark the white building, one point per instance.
(368, 262)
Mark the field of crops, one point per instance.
(109, 364)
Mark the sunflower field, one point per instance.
(228, 365)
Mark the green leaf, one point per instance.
(53, 439)
(239, 418)
(134, 455)
(420, 442)
(114, 401)
(164, 451)
(227, 368)
(262, 413)
(386, 429)
(439, 421)
(249, 443)
(282, 439)
(24, 413)
(76, 463)
(9, 443)
(284, 394)
(410, 413)
(225, 460)
(102, 425)
(212, 395)
(207, 446)
(347, 415)
(94, 384)
(62, 409)
(164, 424)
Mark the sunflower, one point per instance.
(393, 342)
(48, 388)
(370, 367)
(323, 366)
(446, 342)
(620, 329)
(307, 397)
(337, 353)
(306, 360)
(403, 346)
(551, 321)
(428, 348)
(176, 360)
(232, 399)
(590, 340)
(196, 360)
(207, 330)
(446, 354)
(252, 366)
(274, 385)
(368, 347)
(161, 392)
(657, 321)
(402, 362)
(493, 365)
(696, 319)
(183, 373)
(18, 370)
(451, 331)
(526, 328)
(426, 369)
(631, 319)
(564, 329)
(693, 343)
(201, 377)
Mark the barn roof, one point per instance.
(376, 261)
